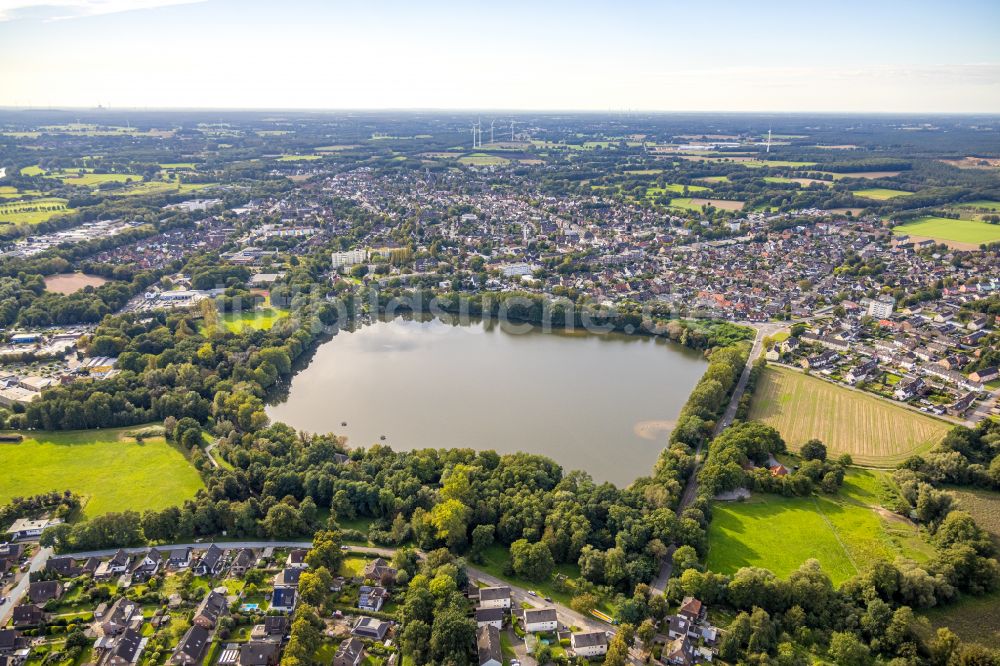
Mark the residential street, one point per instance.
(659, 584)
(21, 589)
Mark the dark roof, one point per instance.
(128, 645)
(10, 639)
(370, 627)
(288, 577)
(488, 644)
(351, 650)
(494, 593)
(540, 615)
(212, 606)
(192, 646)
(61, 565)
(259, 653)
(490, 614)
(589, 639)
(27, 614)
(283, 597)
(276, 624)
(44, 590)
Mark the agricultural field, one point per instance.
(109, 468)
(695, 203)
(984, 505)
(974, 619)
(942, 228)
(70, 283)
(298, 158)
(804, 182)
(162, 187)
(845, 532)
(756, 164)
(34, 211)
(865, 175)
(874, 431)
(982, 204)
(483, 159)
(881, 193)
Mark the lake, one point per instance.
(603, 403)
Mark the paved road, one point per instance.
(659, 585)
(21, 589)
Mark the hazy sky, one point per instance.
(748, 55)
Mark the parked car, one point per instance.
(533, 593)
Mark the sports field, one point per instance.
(943, 228)
(874, 431)
(111, 470)
(881, 193)
(844, 532)
(33, 211)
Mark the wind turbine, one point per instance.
(491, 130)
(768, 150)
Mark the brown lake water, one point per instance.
(603, 403)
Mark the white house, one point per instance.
(490, 616)
(589, 644)
(540, 619)
(24, 528)
(494, 597)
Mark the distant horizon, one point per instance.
(853, 56)
(471, 110)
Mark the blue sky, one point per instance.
(676, 55)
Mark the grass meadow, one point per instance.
(943, 228)
(843, 531)
(874, 431)
(881, 193)
(108, 468)
(483, 159)
(260, 320)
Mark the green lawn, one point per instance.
(260, 320)
(109, 469)
(943, 228)
(842, 531)
(881, 193)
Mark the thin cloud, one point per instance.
(57, 10)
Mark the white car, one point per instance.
(533, 593)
